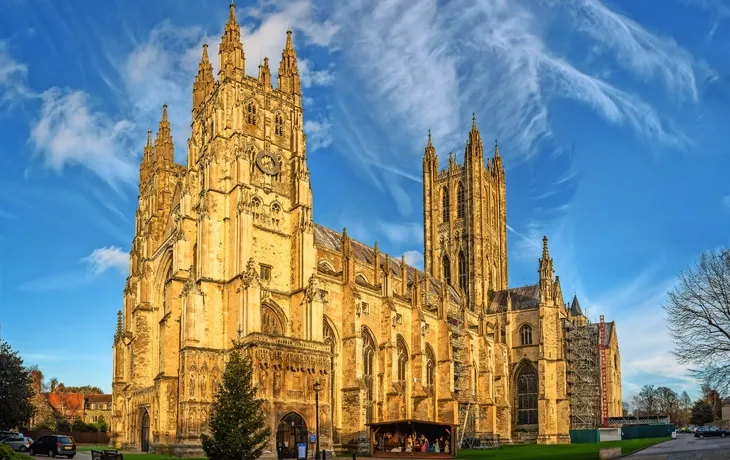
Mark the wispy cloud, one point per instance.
(13, 77)
(414, 259)
(726, 202)
(318, 134)
(99, 261)
(492, 57)
(103, 259)
(69, 132)
(402, 233)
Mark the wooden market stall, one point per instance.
(412, 439)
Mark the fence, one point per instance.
(81, 437)
(646, 431)
(583, 436)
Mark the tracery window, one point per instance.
(445, 205)
(447, 270)
(368, 359)
(463, 282)
(270, 322)
(279, 125)
(430, 366)
(251, 113)
(461, 202)
(329, 339)
(527, 396)
(526, 334)
(402, 359)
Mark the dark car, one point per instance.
(710, 432)
(53, 445)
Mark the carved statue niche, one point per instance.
(311, 290)
(263, 382)
(250, 276)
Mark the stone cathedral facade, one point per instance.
(225, 247)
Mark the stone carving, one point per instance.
(397, 320)
(311, 289)
(251, 276)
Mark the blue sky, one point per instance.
(611, 118)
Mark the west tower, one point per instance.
(465, 220)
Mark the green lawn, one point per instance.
(562, 452)
(88, 447)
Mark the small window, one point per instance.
(526, 334)
(265, 272)
(279, 125)
(251, 114)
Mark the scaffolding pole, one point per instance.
(584, 375)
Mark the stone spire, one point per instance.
(204, 80)
(265, 73)
(232, 58)
(288, 71)
(474, 143)
(575, 309)
(148, 160)
(546, 262)
(430, 152)
(164, 147)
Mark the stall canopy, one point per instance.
(412, 439)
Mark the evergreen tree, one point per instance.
(16, 389)
(701, 413)
(238, 428)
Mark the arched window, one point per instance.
(270, 321)
(445, 205)
(329, 339)
(402, 359)
(251, 113)
(368, 359)
(279, 125)
(526, 334)
(447, 269)
(430, 366)
(461, 202)
(526, 396)
(476, 376)
(463, 284)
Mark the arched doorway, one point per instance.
(145, 433)
(291, 431)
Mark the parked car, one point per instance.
(53, 445)
(19, 443)
(710, 432)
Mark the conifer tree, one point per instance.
(15, 389)
(238, 428)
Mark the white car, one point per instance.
(19, 443)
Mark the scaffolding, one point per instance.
(584, 375)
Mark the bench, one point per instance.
(106, 455)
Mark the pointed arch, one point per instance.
(368, 362)
(273, 319)
(402, 356)
(430, 366)
(361, 278)
(463, 275)
(526, 334)
(445, 205)
(446, 262)
(526, 393)
(460, 201)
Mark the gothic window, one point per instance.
(447, 270)
(402, 359)
(251, 113)
(329, 339)
(461, 202)
(279, 125)
(462, 272)
(526, 334)
(527, 396)
(275, 208)
(430, 366)
(270, 321)
(503, 334)
(476, 377)
(368, 359)
(256, 204)
(445, 205)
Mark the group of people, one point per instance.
(387, 442)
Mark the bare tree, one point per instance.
(626, 408)
(646, 402)
(698, 315)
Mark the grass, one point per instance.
(154, 457)
(88, 447)
(562, 451)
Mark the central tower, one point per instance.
(465, 221)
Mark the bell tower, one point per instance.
(465, 220)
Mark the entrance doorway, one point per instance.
(291, 431)
(145, 434)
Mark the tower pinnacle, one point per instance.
(232, 59)
(164, 147)
(288, 70)
(204, 81)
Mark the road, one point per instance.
(686, 447)
(79, 456)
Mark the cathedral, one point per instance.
(226, 248)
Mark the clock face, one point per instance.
(268, 163)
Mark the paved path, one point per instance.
(79, 456)
(686, 447)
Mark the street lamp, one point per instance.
(317, 388)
